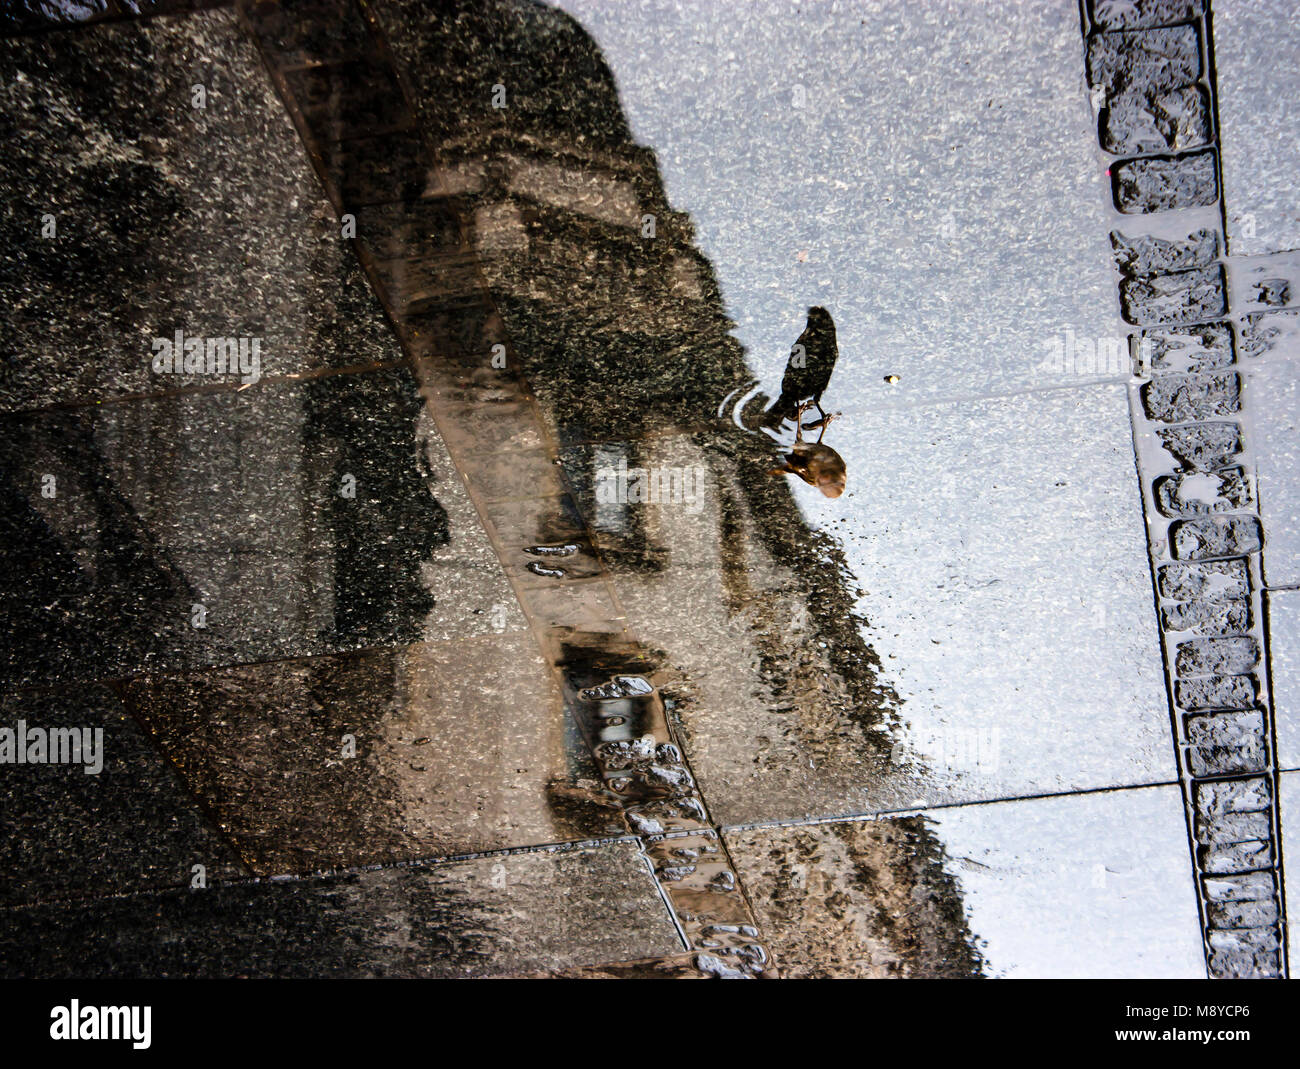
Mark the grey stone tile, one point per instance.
(1142, 14)
(67, 831)
(1255, 47)
(505, 915)
(456, 748)
(1095, 886)
(28, 15)
(1273, 415)
(984, 194)
(1005, 638)
(1284, 666)
(168, 217)
(1289, 807)
(303, 518)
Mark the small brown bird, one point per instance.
(816, 464)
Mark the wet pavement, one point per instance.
(442, 603)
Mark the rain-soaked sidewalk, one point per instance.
(409, 567)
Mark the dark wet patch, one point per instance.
(218, 527)
(861, 899)
(488, 916)
(66, 833)
(248, 250)
(318, 763)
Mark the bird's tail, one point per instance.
(784, 409)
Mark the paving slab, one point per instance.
(1094, 885)
(1289, 804)
(488, 916)
(924, 171)
(1284, 665)
(1274, 417)
(113, 818)
(238, 526)
(433, 750)
(166, 216)
(968, 527)
(1255, 49)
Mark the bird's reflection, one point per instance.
(807, 374)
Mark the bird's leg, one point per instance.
(826, 422)
(798, 422)
(817, 422)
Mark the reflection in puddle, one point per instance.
(723, 617)
(561, 323)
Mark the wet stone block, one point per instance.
(678, 967)
(1146, 255)
(1200, 446)
(503, 428)
(350, 99)
(461, 747)
(205, 220)
(1226, 744)
(1207, 617)
(1217, 656)
(1234, 827)
(694, 872)
(1165, 183)
(856, 900)
(1235, 857)
(1213, 800)
(114, 820)
(502, 915)
(417, 284)
(1249, 953)
(298, 32)
(1152, 60)
(1216, 692)
(1272, 291)
(552, 520)
(1137, 14)
(1196, 493)
(546, 563)
(1222, 580)
(1185, 398)
(525, 474)
(1178, 298)
(1241, 914)
(1140, 121)
(463, 334)
(1262, 332)
(374, 170)
(1216, 537)
(423, 227)
(1249, 887)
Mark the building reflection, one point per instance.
(541, 227)
(619, 327)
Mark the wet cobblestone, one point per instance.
(1136, 14)
(1173, 121)
(1183, 399)
(1163, 184)
(1146, 255)
(1156, 97)
(1187, 296)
